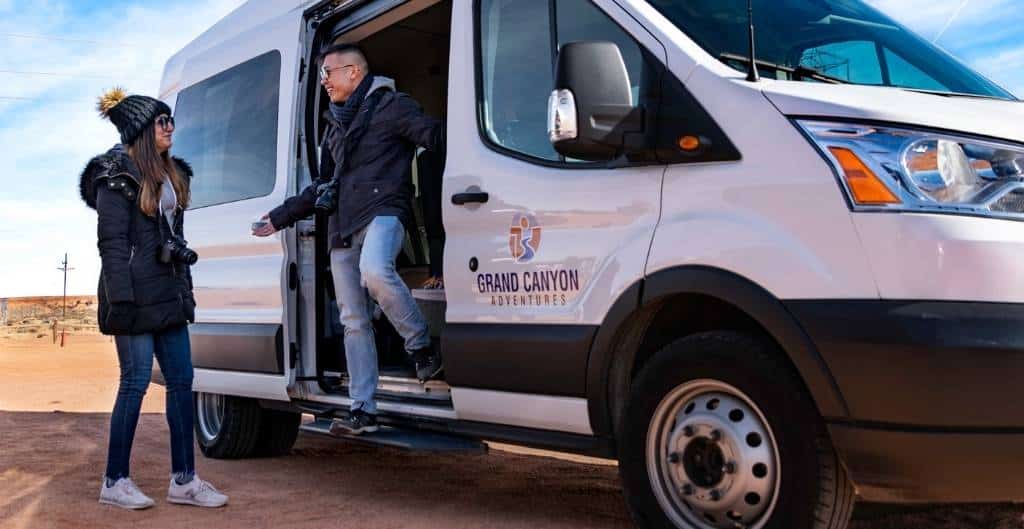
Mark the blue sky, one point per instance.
(58, 55)
(66, 52)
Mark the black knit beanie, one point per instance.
(131, 114)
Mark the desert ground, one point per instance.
(54, 412)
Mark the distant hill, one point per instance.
(34, 316)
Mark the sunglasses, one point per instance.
(325, 72)
(165, 122)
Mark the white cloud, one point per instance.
(1005, 67)
(35, 235)
(45, 142)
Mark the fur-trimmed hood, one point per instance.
(111, 163)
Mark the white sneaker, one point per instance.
(124, 494)
(196, 492)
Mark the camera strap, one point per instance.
(161, 221)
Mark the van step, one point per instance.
(416, 440)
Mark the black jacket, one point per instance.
(374, 174)
(137, 293)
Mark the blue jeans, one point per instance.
(368, 266)
(173, 351)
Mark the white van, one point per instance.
(763, 295)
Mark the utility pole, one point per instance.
(64, 268)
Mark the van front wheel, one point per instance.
(717, 434)
(226, 427)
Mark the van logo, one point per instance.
(524, 238)
(551, 284)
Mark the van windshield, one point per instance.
(825, 41)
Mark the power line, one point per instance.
(75, 101)
(56, 74)
(64, 39)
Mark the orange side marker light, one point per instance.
(689, 143)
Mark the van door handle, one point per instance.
(461, 199)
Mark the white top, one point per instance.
(168, 201)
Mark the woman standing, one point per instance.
(145, 289)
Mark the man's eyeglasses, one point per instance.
(165, 122)
(325, 72)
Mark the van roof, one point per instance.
(247, 16)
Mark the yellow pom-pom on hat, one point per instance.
(109, 100)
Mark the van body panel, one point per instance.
(915, 466)
(252, 348)
(241, 281)
(940, 362)
(991, 118)
(781, 222)
(594, 228)
(543, 412)
(545, 359)
(222, 382)
(594, 225)
(944, 257)
(251, 14)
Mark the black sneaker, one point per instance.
(356, 423)
(428, 363)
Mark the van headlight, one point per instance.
(887, 168)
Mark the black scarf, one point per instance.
(345, 112)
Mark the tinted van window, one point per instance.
(519, 43)
(227, 131)
(517, 61)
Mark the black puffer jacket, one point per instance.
(374, 175)
(137, 293)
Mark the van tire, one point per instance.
(278, 432)
(233, 434)
(810, 491)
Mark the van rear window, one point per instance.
(227, 131)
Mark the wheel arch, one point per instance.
(645, 317)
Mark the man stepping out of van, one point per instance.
(368, 149)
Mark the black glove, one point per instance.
(121, 317)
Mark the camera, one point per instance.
(176, 250)
(327, 197)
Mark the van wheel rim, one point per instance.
(712, 459)
(211, 415)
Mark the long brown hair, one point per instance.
(154, 167)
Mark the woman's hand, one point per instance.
(263, 228)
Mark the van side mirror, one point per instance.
(590, 112)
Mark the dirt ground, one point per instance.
(54, 413)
